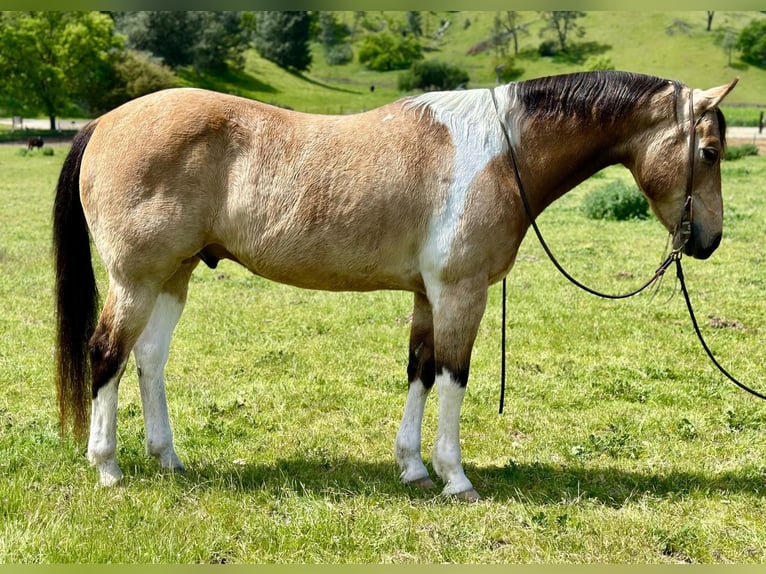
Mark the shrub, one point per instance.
(506, 69)
(432, 75)
(339, 55)
(740, 151)
(597, 63)
(387, 51)
(548, 48)
(617, 201)
(334, 36)
(752, 43)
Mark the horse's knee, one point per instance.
(421, 366)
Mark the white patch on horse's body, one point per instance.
(507, 103)
(151, 353)
(477, 139)
(388, 118)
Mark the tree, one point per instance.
(428, 75)
(727, 38)
(48, 59)
(508, 27)
(334, 37)
(283, 38)
(222, 41)
(135, 74)
(208, 41)
(752, 43)
(415, 23)
(563, 24)
(388, 51)
(710, 14)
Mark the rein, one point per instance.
(684, 231)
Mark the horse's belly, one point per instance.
(333, 267)
(334, 279)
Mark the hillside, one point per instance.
(667, 44)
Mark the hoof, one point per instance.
(425, 483)
(109, 474)
(179, 470)
(466, 496)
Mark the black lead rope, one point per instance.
(528, 210)
(680, 275)
(675, 255)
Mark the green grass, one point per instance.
(619, 443)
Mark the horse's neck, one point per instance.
(556, 156)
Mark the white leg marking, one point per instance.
(408, 439)
(151, 352)
(102, 444)
(446, 453)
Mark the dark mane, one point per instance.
(721, 126)
(601, 96)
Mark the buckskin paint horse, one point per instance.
(417, 195)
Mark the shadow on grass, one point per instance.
(323, 85)
(230, 81)
(536, 483)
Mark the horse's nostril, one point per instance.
(703, 252)
(716, 243)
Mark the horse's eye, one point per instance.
(709, 155)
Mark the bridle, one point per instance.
(684, 228)
(683, 231)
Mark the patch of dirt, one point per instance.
(719, 323)
(759, 142)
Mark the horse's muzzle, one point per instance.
(699, 249)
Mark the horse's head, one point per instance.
(678, 168)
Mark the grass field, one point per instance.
(619, 442)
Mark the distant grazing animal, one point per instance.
(417, 195)
(35, 142)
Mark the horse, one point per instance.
(34, 142)
(419, 195)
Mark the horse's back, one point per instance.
(333, 202)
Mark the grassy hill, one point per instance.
(667, 44)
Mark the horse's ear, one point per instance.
(708, 99)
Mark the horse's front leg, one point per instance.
(420, 373)
(458, 309)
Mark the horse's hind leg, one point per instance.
(420, 373)
(126, 312)
(151, 352)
